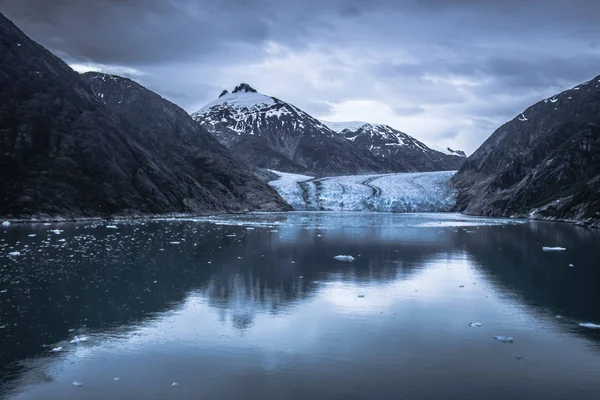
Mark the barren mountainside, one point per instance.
(545, 163)
(66, 153)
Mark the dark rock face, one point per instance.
(65, 153)
(270, 133)
(401, 152)
(545, 163)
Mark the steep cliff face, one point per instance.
(65, 153)
(270, 133)
(545, 163)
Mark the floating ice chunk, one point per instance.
(77, 384)
(553, 248)
(174, 384)
(78, 339)
(32, 235)
(174, 242)
(57, 349)
(116, 379)
(4, 291)
(504, 339)
(14, 253)
(589, 325)
(475, 324)
(344, 258)
(112, 227)
(5, 223)
(56, 231)
(571, 265)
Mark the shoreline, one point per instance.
(61, 219)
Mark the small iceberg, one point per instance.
(5, 223)
(589, 325)
(77, 384)
(78, 339)
(32, 235)
(344, 258)
(553, 248)
(174, 384)
(14, 253)
(475, 324)
(112, 227)
(504, 339)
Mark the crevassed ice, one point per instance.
(401, 192)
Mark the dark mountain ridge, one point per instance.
(545, 163)
(65, 153)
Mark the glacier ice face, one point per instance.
(402, 192)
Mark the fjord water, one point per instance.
(256, 306)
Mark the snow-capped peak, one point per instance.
(243, 96)
(451, 152)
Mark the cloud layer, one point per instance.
(445, 71)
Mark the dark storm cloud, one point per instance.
(470, 64)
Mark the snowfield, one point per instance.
(401, 192)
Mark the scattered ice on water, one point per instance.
(504, 339)
(553, 248)
(78, 339)
(589, 325)
(344, 258)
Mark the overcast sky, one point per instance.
(447, 72)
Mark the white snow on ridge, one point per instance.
(353, 126)
(239, 100)
(401, 192)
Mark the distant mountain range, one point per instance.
(271, 133)
(397, 149)
(544, 163)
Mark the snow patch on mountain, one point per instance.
(402, 192)
(338, 127)
(238, 100)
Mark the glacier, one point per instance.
(398, 192)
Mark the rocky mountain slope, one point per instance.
(271, 133)
(65, 153)
(400, 151)
(545, 163)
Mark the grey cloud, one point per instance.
(408, 52)
(408, 110)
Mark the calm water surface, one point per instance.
(256, 307)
